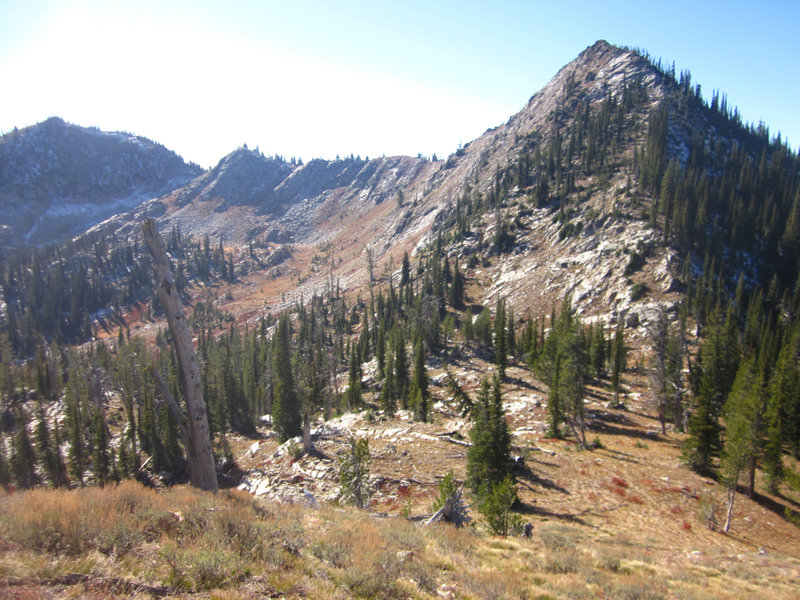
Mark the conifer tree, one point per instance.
(511, 342)
(352, 399)
(467, 327)
(555, 409)
(285, 405)
(658, 333)
(782, 394)
(363, 340)
(380, 352)
(123, 466)
(151, 441)
(618, 353)
(354, 472)
(419, 384)
(719, 361)
(562, 364)
(489, 457)
(598, 351)
(405, 271)
(49, 455)
(73, 405)
(23, 456)
(388, 391)
(172, 451)
(501, 339)
(703, 443)
(101, 460)
(719, 358)
(483, 328)
(402, 379)
(456, 295)
(743, 424)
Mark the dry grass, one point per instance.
(230, 545)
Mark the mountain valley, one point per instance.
(620, 250)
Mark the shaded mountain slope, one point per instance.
(57, 179)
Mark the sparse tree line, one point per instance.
(61, 292)
(288, 367)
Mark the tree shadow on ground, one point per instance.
(631, 432)
(534, 481)
(530, 509)
(617, 455)
(772, 505)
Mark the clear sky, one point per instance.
(315, 79)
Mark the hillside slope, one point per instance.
(57, 179)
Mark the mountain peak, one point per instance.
(599, 47)
(53, 122)
(57, 179)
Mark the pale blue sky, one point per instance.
(310, 78)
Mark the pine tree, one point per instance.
(719, 359)
(598, 351)
(782, 393)
(285, 405)
(500, 339)
(511, 342)
(380, 352)
(402, 380)
(483, 329)
(101, 461)
(496, 507)
(743, 424)
(48, 455)
(658, 332)
(123, 466)
(388, 391)
(23, 456)
(151, 437)
(703, 443)
(456, 297)
(562, 364)
(352, 399)
(73, 404)
(419, 384)
(618, 355)
(489, 457)
(354, 472)
(405, 271)
(172, 451)
(555, 409)
(467, 326)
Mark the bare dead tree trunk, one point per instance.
(199, 453)
(729, 514)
